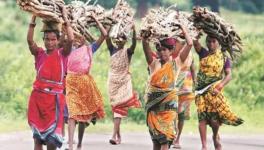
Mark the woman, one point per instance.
(84, 100)
(184, 84)
(161, 96)
(120, 88)
(213, 75)
(46, 103)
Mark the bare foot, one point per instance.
(115, 142)
(79, 147)
(176, 146)
(118, 141)
(217, 143)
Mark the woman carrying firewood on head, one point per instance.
(185, 87)
(161, 98)
(84, 100)
(122, 96)
(213, 76)
(46, 103)
(185, 91)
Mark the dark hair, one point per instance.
(56, 32)
(163, 43)
(212, 37)
(168, 43)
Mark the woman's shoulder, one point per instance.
(40, 52)
(203, 53)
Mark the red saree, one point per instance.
(46, 103)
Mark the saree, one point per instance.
(185, 88)
(210, 106)
(161, 103)
(84, 100)
(120, 90)
(46, 103)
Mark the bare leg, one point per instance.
(180, 124)
(51, 147)
(71, 128)
(156, 146)
(81, 130)
(216, 138)
(176, 125)
(63, 131)
(37, 145)
(164, 147)
(202, 130)
(116, 133)
(180, 127)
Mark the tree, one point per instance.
(142, 6)
(214, 4)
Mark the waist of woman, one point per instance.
(80, 72)
(48, 88)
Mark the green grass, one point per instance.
(12, 125)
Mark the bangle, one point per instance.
(32, 24)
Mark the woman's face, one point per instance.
(120, 43)
(212, 43)
(50, 41)
(163, 53)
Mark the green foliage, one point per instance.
(181, 4)
(251, 6)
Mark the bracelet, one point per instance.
(32, 24)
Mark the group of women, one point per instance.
(64, 65)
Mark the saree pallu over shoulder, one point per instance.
(46, 103)
(210, 106)
(84, 100)
(161, 103)
(211, 69)
(120, 90)
(80, 60)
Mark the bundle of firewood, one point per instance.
(183, 18)
(45, 9)
(79, 14)
(165, 23)
(123, 14)
(212, 24)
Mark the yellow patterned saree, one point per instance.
(209, 106)
(161, 103)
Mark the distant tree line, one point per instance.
(250, 6)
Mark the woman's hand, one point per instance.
(217, 89)
(64, 14)
(133, 27)
(183, 28)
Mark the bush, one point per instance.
(250, 6)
